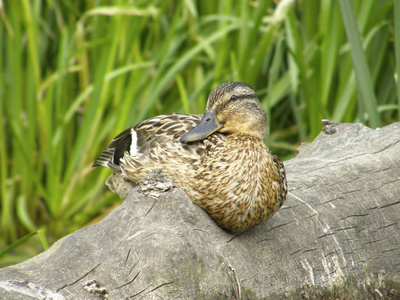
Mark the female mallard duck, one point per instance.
(218, 159)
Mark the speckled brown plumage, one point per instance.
(219, 159)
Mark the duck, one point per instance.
(218, 159)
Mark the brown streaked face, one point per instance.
(232, 107)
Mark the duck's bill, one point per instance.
(208, 125)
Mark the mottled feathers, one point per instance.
(218, 159)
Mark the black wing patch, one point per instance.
(124, 144)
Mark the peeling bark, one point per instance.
(337, 236)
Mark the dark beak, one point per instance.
(208, 125)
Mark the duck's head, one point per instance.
(232, 107)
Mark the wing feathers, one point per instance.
(145, 136)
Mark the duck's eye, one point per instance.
(233, 97)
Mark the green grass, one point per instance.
(75, 74)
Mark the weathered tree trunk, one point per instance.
(337, 236)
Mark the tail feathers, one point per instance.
(106, 160)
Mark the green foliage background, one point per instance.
(76, 73)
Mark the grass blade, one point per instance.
(16, 243)
(363, 74)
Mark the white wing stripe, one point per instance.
(134, 149)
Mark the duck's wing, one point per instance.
(145, 135)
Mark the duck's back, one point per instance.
(147, 137)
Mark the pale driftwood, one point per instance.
(337, 235)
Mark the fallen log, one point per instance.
(336, 236)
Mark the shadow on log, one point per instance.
(336, 236)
